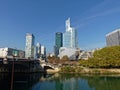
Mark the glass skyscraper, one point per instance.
(38, 50)
(70, 43)
(59, 39)
(29, 47)
(70, 36)
(113, 38)
(58, 42)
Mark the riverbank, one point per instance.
(84, 70)
(101, 71)
(49, 71)
(89, 70)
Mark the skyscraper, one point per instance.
(43, 52)
(29, 47)
(38, 50)
(113, 38)
(59, 39)
(58, 42)
(70, 36)
(70, 43)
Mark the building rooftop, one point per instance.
(29, 34)
(113, 32)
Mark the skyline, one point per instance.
(43, 18)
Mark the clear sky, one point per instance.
(92, 18)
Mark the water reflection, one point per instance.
(79, 82)
(21, 81)
(4, 81)
(37, 81)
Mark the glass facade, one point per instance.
(74, 42)
(70, 36)
(59, 39)
(113, 38)
(67, 39)
(58, 42)
(29, 48)
(38, 50)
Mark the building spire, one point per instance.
(67, 24)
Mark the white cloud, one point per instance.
(104, 8)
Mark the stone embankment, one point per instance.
(89, 70)
(84, 70)
(101, 71)
(52, 70)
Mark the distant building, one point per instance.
(56, 50)
(72, 53)
(10, 53)
(43, 52)
(70, 42)
(29, 47)
(84, 55)
(113, 38)
(38, 50)
(50, 55)
(58, 42)
(70, 36)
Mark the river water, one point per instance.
(57, 81)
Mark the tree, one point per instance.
(53, 59)
(65, 58)
(108, 57)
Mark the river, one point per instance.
(57, 81)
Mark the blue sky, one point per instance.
(92, 18)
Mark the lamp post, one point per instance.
(12, 75)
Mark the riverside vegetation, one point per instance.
(105, 60)
(108, 57)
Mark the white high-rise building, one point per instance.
(43, 52)
(29, 47)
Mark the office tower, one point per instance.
(29, 48)
(58, 42)
(38, 50)
(70, 43)
(70, 36)
(43, 50)
(113, 38)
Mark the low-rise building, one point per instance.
(10, 52)
(72, 53)
(84, 55)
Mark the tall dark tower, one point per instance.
(58, 42)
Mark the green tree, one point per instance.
(108, 57)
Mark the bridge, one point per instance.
(46, 65)
(25, 65)
(20, 65)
